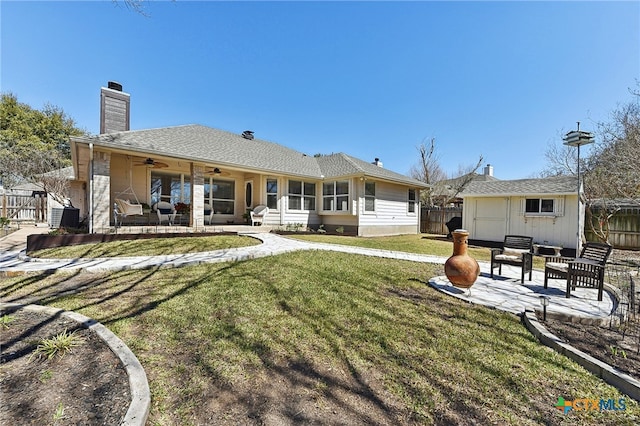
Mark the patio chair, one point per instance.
(208, 214)
(585, 271)
(166, 212)
(258, 214)
(515, 251)
(123, 208)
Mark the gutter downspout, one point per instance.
(90, 187)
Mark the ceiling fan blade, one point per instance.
(216, 172)
(150, 162)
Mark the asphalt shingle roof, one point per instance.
(205, 144)
(553, 185)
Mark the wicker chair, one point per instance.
(123, 208)
(515, 251)
(258, 214)
(586, 271)
(208, 214)
(166, 212)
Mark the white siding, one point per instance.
(491, 218)
(391, 207)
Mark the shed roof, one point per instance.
(560, 185)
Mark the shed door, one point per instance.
(490, 222)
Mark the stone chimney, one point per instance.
(488, 170)
(377, 162)
(114, 108)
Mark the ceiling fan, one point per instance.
(215, 171)
(151, 163)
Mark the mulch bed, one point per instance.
(87, 386)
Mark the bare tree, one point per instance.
(45, 168)
(613, 169)
(611, 172)
(562, 160)
(447, 191)
(427, 169)
(450, 189)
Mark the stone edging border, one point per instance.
(140, 395)
(606, 372)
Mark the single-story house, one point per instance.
(546, 209)
(233, 173)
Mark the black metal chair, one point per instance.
(515, 251)
(586, 271)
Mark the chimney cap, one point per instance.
(114, 85)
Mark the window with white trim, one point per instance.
(538, 205)
(302, 195)
(411, 208)
(369, 196)
(549, 207)
(272, 194)
(335, 196)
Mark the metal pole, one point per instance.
(578, 226)
(579, 241)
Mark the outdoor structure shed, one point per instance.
(232, 173)
(545, 209)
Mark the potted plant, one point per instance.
(182, 208)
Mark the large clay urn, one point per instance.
(461, 269)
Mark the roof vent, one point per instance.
(247, 134)
(377, 162)
(114, 86)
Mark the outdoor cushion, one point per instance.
(514, 252)
(512, 258)
(557, 266)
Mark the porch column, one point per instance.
(197, 196)
(101, 191)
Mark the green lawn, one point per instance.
(147, 247)
(324, 331)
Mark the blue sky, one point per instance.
(371, 79)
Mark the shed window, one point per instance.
(539, 205)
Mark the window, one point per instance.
(412, 201)
(335, 196)
(220, 194)
(369, 196)
(539, 205)
(173, 188)
(302, 195)
(272, 194)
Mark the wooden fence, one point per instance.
(432, 220)
(624, 229)
(23, 208)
